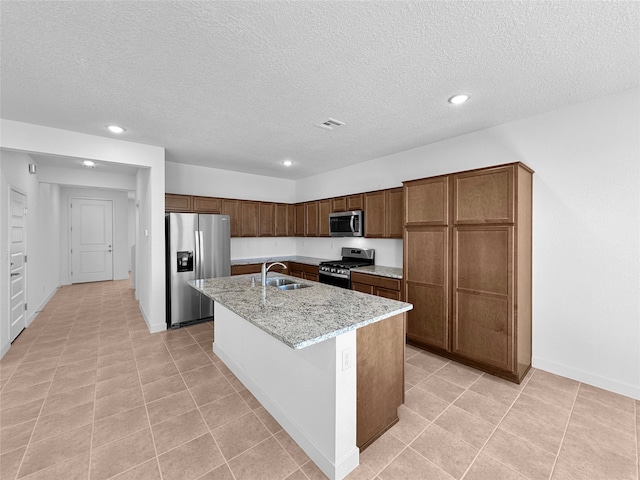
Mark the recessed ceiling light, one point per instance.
(115, 129)
(458, 99)
(89, 164)
(287, 163)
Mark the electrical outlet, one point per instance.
(347, 359)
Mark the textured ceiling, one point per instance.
(240, 85)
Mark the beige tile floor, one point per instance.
(87, 392)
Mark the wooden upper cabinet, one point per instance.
(206, 204)
(291, 220)
(355, 202)
(281, 219)
(383, 213)
(232, 208)
(339, 204)
(311, 219)
(426, 202)
(484, 196)
(267, 220)
(299, 224)
(250, 215)
(178, 203)
(324, 209)
(374, 214)
(394, 215)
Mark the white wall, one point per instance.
(120, 230)
(42, 242)
(149, 186)
(586, 232)
(212, 182)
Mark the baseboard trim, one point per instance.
(153, 327)
(43, 304)
(626, 389)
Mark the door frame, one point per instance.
(70, 198)
(9, 239)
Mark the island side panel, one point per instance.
(380, 377)
(306, 391)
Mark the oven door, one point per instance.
(336, 281)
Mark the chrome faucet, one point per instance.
(265, 270)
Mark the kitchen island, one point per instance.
(326, 362)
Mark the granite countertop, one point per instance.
(303, 317)
(284, 258)
(391, 272)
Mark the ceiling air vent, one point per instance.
(330, 124)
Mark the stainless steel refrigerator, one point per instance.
(197, 246)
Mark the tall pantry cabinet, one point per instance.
(467, 267)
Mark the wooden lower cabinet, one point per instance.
(376, 285)
(380, 378)
(426, 275)
(248, 268)
(302, 270)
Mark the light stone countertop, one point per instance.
(303, 317)
(391, 272)
(284, 258)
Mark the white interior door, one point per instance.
(17, 270)
(91, 240)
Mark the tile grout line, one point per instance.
(490, 435)
(564, 434)
(24, 455)
(198, 406)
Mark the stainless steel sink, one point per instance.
(293, 286)
(279, 281)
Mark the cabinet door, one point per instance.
(246, 269)
(374, 214)
(426, 202)
(291, 220)
(296, 270)
(386, 293)
(281, 220)
(362, 287)
(324, 209)
(427, 285)
(299, 225)
(267, 220)
(178, 203)
(355, 202)
(339, 204)
(393, 211)
(311, 219)
(206, 205)
(250, 215)
(232, 208)
(482, 295)
(484, 196)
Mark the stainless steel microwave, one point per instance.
(346, 224)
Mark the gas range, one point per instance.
(338, 272)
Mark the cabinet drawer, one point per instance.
(375, 280)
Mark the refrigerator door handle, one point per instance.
(197, 254)
(201, 247)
